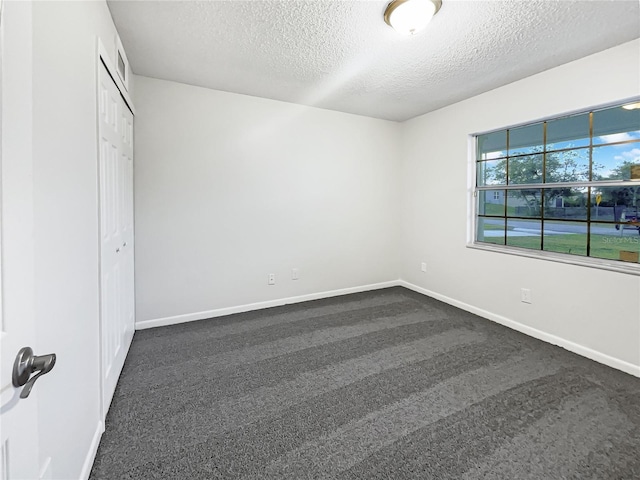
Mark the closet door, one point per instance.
(127, 221)
(115, 126)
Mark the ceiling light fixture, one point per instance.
(410, 16)
(631, 106)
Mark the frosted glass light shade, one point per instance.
(410, 16)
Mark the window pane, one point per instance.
(615, 242)
(524, 203)
(619, 203)
(492, 172)
(492, 145)
(528, 205)
(616, 124)
(565, 203)
(524, 233)
(567, 166)
(491, 230)
(568, 132)
(615, 162)
(565, 237)
(491, 202)
(527, 139)
(527, 169)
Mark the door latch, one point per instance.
(26, 364)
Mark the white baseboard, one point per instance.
(532, 332)
(190, 317)
(91, 454)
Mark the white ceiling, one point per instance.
(340, 55)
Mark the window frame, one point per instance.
(474, 191)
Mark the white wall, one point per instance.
(66, 226)
(598, 311)
(230, 188)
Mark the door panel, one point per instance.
(115, 124)
(128, 222)
(18, 417)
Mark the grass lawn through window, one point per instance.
(602, 246)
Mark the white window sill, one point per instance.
(612, 265)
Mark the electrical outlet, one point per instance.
(423, 266)
(294, 274)
(525, 295)
(272, 279)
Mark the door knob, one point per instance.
(27, 363)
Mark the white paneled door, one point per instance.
(115, 126)
(18, 416)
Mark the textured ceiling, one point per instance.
(340, 55)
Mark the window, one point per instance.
(568, 186)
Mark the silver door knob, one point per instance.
(27, 363)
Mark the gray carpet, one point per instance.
(379, 385)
